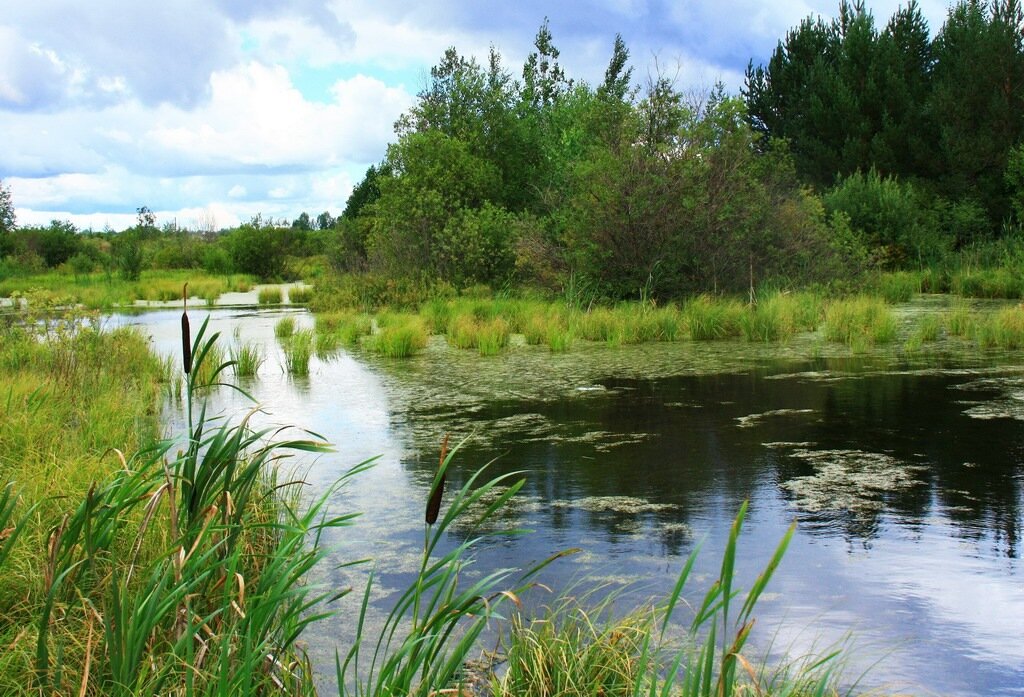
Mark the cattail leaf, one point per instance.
(434, 502)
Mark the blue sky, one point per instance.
(211, 111)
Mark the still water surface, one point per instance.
(905, 475)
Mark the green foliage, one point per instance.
(894, 219)
(300, 295)
(8, 220)
(126, 249)
(285, 327)
(298, 350)
(259, 249)
(399, 337)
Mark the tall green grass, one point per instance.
(400, 336)
(247, 358)
(270, 295)
(1004, 329)
(300, 295)
(150, 572)
(580, 648)
(298, 350)
(285, 327)
(859, 321)
(711, 318)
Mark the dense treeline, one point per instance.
(923, 129)
(546, 179)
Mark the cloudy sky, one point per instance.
(210, 111)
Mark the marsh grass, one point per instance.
(270, 295)
(103, 291)
(1000, 282)
(1004, 329)
(710, 318)
(859, 322)
(298, 350)
(151, 573)
(300, 295)
(579, 647)
(285, 327)
(898, 286)
(960, 320)
(398, 336)
(247, 359)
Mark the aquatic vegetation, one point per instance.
(298, 350)
(270, 295)
(1004, 329)
(247, 359)
(850, 481)
(998, 282)
(400, 336)
(285, 327)
(711, 318)
(898, 286)
(300, 295)
(859, 321)
(960, 320)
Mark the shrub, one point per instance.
(300, 295)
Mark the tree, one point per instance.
(325, 221)
(544, 80)
(257, 248)
(303, 222)
(8, 222)
(365, 192)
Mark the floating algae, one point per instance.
(752, 420)
(613, 504)
(1007, 404)
(850, 480)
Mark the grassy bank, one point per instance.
(105, 291)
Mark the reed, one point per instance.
(579, 647)
(1000, 282)
(270, 295)
(492, 336)
(600, 324)
(898, 286)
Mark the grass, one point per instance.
(285, 327)
(961, 319)
(148, 572)
(580, 648)
(1000, 282)
(300, 295)
(898, 286)
(859, 321)
(103, 291)
(707, 318)
(1004, 329)
(247, 359)
(298, 350)
(400, 336)
(270, 295)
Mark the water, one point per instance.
(904, 474)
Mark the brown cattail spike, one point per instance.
(186, 334)
(434, 502)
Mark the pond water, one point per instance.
(904, 473)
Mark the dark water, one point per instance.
(904, 474)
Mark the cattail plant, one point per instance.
(186, 335)
(434, 502)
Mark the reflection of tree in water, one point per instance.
(898, 445)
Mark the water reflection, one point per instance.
(904, 473)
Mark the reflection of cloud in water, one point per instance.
(850, 480)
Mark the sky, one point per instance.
(209, 112)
